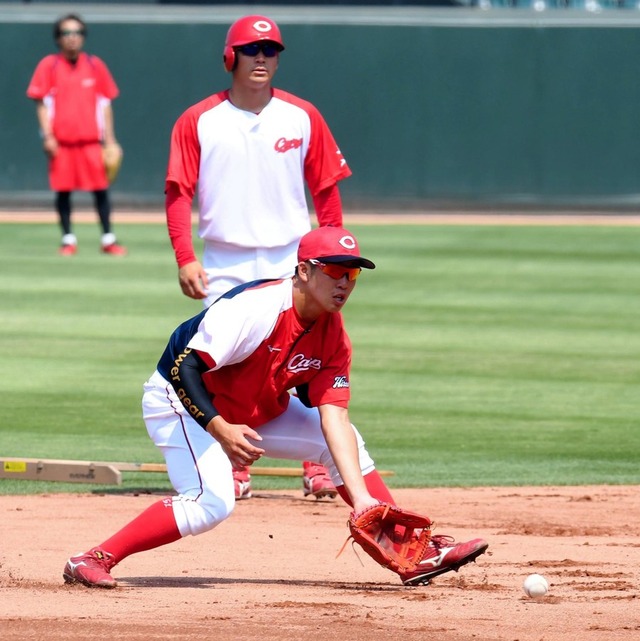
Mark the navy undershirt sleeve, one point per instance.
(188, 384)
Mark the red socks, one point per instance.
(376, 486)
(156, 526)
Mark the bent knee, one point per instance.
(195, 516)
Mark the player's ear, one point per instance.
(303, 270)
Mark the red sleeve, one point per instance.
(184, 155)
(181, 180)
(40, 84)
(178, 211)
(184, 152)
(328, 206)
(106, 85)
(324, 164)
(331, 385)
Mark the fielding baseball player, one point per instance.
(220, 397)
(73, 92)
(249, 151)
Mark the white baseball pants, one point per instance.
(228, 266)
(200, 471)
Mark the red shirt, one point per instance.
(258, 349)
(74, 95)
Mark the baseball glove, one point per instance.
(112, 158)
(395, 538)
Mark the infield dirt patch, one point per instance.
(270, 572)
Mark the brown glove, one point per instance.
(112, 158)
(395, 538)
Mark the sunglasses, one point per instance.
(69, 32)
(269, 49)
(336, 271)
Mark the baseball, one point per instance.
(535, 586)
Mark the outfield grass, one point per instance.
(483, 355)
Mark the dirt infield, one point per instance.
(270, 572)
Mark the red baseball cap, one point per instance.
(332, 245)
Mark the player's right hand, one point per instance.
(50, 146)
(193, 280)
(234, 441)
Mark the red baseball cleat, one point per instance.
(68, 250)
(114, 249)
(316, 481)
(444, 555)
(91, 569)
(242, 483)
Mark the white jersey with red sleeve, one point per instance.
(257, 349)
(250, 169)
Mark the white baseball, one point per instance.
(535, 586)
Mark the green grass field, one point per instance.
(483, 355)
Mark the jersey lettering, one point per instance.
(175, 371)
(301, 364)
(283, 145)
(340, 381)
(191, 407)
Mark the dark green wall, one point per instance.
(544, 115)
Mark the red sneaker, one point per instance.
(444, 555)
(68, 250)
(242, 483)
(114, 249)
(91, 569)
(316, 481)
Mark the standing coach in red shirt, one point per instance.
(73, 92)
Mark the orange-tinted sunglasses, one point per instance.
(336, 271)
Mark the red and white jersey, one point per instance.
(74, 94)
(257, 349)
(250, 169)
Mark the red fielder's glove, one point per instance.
(395, 538)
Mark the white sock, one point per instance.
(108, 239)
(69, 239)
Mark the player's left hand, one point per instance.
(376, 528)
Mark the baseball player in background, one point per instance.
(248, 151)
(220, 398)
(73, 92)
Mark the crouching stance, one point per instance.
(219, 399)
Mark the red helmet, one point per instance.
(246, 30)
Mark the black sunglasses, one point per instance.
(72, 32)
(269, 49)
